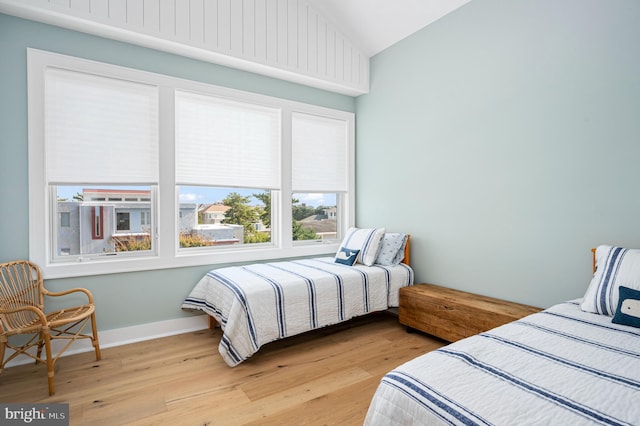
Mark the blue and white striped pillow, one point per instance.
(615, 267)
(367, 240)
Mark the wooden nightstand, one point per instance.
(453, 314)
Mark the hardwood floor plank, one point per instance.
(327, 376)
(304, 368)
(329, 409)
(117, 409)
(293, 397)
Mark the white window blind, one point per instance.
(99, 129)
(320, 154)
(221, 142)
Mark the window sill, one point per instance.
(183, 259)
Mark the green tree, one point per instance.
(265, 213)
(241, 213)
(301, 211)
(300, 233)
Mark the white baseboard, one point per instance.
(125, 336)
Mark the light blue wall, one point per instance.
(122, 299)
(505, 138)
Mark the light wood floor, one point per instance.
(325, 377)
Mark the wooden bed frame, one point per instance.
(406, 260)
(407, 251)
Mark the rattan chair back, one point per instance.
(22, 311)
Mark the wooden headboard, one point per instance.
(593, 255)
(407, 251)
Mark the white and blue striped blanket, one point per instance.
(561, 366)
(259, 303)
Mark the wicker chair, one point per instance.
(22, 312)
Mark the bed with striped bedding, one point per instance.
(260, 303)
(562, 366)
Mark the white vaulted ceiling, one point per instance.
(374, 25)
(320, 43)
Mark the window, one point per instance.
(122, 221)
(97, 222)
(241, 177)
(145, 218)
(65, 219)
(95, 225)
(320, 174)
(314, 216)
(223, 216)
(228, 152)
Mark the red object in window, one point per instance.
(97, 222)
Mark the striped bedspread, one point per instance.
(561, 366)
(259, 303)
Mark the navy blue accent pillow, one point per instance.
(347, 256)
(628, 312)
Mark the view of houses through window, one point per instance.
(110, 219)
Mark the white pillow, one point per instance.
(392, 249)
(615, 266)
(367, 240)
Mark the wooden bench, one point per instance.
(453, 314)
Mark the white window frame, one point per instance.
(165, 212)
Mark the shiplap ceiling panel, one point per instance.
(287, 39)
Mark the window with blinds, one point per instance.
(131, 170)
(101, 141)
(320, 174)
(231, 148)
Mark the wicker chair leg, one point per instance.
(94, 341)
(3, 346)
(50, 361)
(40, 346)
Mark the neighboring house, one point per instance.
(103, 218)
(324, 225)
(213, 213)
(331, 212)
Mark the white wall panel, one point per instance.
(292, 33)
(321, 44)
(271, 34)
(282, 28)
(151, 16)
(99, 9)
(182, 20)
(303, 62)
(224, 25)
(117, 11)
(167, 22)
(331, 53)
(249, 28)
(135, 13)
(281, 38)
(80, 5)
(260, 41)
(312, 41)
(236, 28)
(347, 61)
(339, 59)
(196, 21)
(61, 3)
(211, 24)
